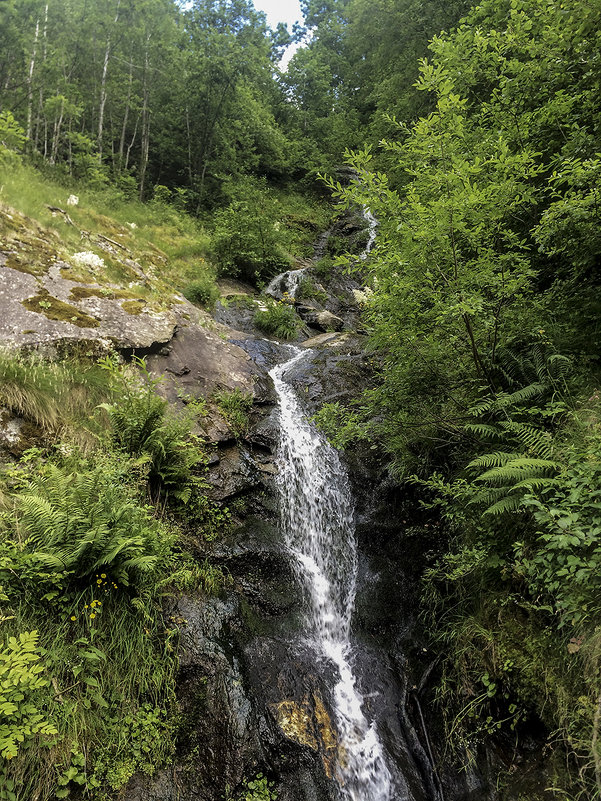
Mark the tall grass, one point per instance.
(155, 235)
(58, 397)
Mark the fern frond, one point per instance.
(558, 366)
(535, 440)
(536, 483)
(510, 503)
(520, 396)
(518, 469)
(495, 459)
(484, 431)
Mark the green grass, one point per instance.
(235, 406)
(278, 319)
(170, 246)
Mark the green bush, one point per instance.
(278, 319)
(308, 291)
(84, 519)
(249, 240)
(21, 667)
(235, 406)
(12, 138)
(202, 291)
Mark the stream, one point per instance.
(317, 520)
(317, 523)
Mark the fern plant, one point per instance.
(143, 427)
(86, 521)
(518, 423)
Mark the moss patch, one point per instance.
(81, 275)
(55, 309)
(26, 251)
(83, 292)
(134, 306)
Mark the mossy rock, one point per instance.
(134, 306)
(55, 309)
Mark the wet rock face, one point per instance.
(199, 359)
(321, 319)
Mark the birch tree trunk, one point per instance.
(145, 123)
(30, 79)
(125, 115)
(105, 66)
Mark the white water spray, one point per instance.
(285, 283)
(317, 521)
(372, 224)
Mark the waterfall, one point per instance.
(317, 522)
(372, 224)
(285, 283)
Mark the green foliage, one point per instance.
(483, 323)
(202, 291)
(51, 394)
(143, 427)
(83, 520)
(12, 136)
(562, 565)
(258, 789)
(248, 240)
(20, 679)
(278, 319)
(235, 405)
(341, 426)
(308, 291)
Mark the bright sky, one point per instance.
(287, 11)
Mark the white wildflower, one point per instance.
(88, 259)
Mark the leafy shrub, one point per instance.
(308, 291)
(12, 138)
(324, 268)
(20, 681)
(278, 319)
(248, 240)
(202, 291)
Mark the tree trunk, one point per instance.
(41, 97)
(125, 116)
(30, 79)
(145, 125)
(57, 132)
(105, 66)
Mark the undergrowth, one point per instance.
(278, 319)
(91, 540)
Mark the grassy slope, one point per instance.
(171, 247)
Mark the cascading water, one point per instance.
(284, 283)
(317, 521)
(372, 224)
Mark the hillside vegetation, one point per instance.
(474, 136)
